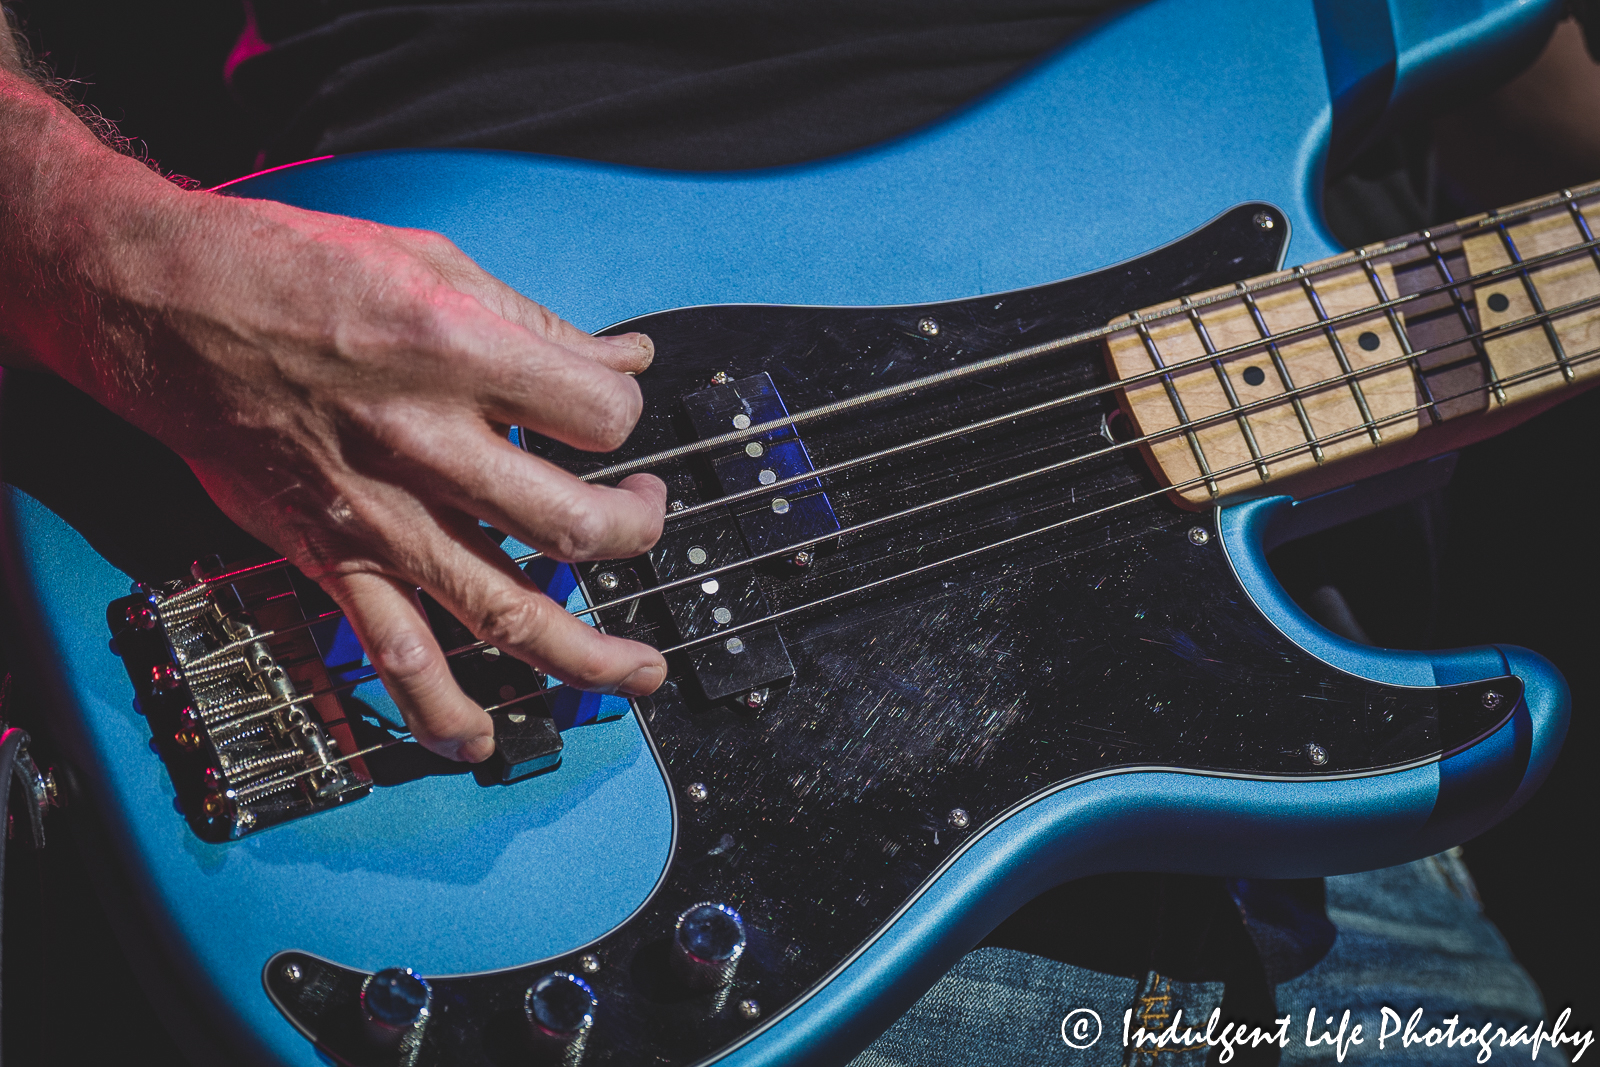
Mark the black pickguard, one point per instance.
(1115, 641)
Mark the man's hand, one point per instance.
(342, 390)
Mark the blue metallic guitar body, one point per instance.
(1136, 694)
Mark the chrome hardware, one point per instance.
(589, 963)
(750, 1008)
(722, 377)
(1199, 535)
(756, 698)
(677, 505)
(697, 792)
(395, 1005)
(559, 1009)
(292, 972)
(1316, 754)
(1492, 699)
(958, 819)
(707, 942)
(928, 327)
(141, 616)
(217, 682)
(607, 581)
(801, 559)
(1264, 221)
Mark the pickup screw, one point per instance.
(698, 792)
(1316, 754)
(1198, 535)
(1491, 699)
(801, 559)
(606, 581)
(722, 377)
(750, 1009)
(959, 819)
(756, 698)
(677, 505)
(292, 972)
(1264, 221)
(928, 327)
(589, 963)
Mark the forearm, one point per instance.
(73, 213)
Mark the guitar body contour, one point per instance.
(1123, 691)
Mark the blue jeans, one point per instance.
(1408, 937)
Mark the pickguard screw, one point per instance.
(676, 505)
(1491, 699)
(1264, 221)
(1199, 535)
(750, 1009)
(722, 377)
(801, 559)
(1316, 754)
(589, 963)
(958, 819)
(928, 327)
(698, 792)
(756, 698)
(606, 581)
(292, 972)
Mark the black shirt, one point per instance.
(692, 84)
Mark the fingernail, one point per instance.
(478, 749)
(642, 681)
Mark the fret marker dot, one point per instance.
(753, 449)
(741, 422)
(1254, 375)
(697, 556)
(1498, 302)
(722, 615)
(734, 645)
(766, 477)
(1369, 341)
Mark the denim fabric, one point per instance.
(1408, 937)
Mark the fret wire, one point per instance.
(1400, 332)
(1583, 225)
(1538, 305)
(1462, 310)
(1339, 354)
(1283, 372)
(1227, 389)
(1177, 406)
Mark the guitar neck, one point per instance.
(1361, 362)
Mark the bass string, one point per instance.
(1052, 468)
(946, 501)
(1245, 466)
(1044, 348)
(542, 694)
(1006, 359)
(1042, 407)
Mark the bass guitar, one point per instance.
(963, 584)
